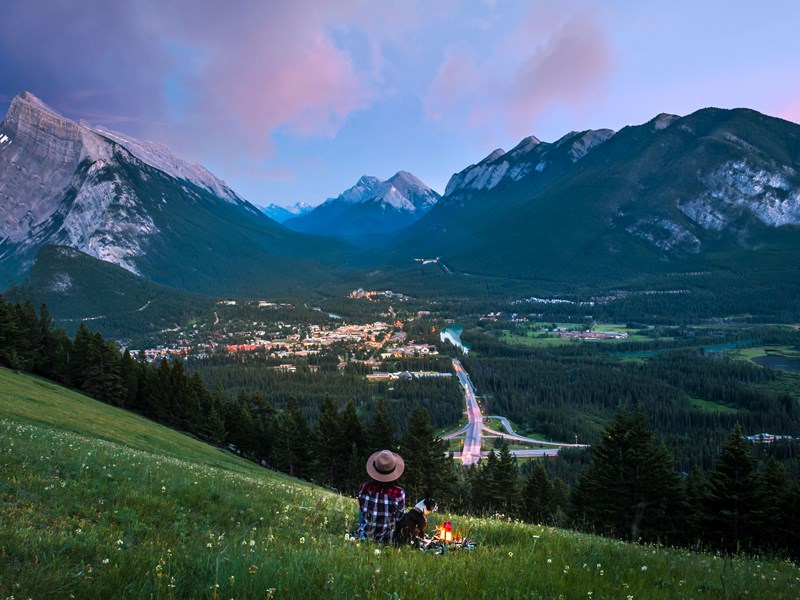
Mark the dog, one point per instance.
(410, 528)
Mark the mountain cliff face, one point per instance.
(371, 207)
(131, 203)
(717, 185)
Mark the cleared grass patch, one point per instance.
(708, 406)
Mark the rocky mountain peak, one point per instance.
(494, 155)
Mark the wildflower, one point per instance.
(510, 554)
(105, 561)
(208, 545)
(549, 561)
(271, 592)
(377, 551)
(253, 569)
(252, 542)
(302, 540)
(644, 567)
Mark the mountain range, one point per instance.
(711, 200)
(370, 208)
(676, 193)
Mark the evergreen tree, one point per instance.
(9, 333)
(330, 459)
(509, 497)
(428, 470)
(732, 503)
(537, 495)
(381, 431)
(695, 490)
(29, 337)
(294, 441)
(130, 379)
(774, 527)
(630, 488)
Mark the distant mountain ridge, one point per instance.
(282, 213)
(673, 187)
(371, 207)
(137, 205)
(709, 199)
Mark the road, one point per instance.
(473, 430)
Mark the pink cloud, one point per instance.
(271, 67)
(568, 68)
(203, 76)
(556, 57)
(456, 81)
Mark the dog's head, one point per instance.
(427, 506)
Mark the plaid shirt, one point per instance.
(381, 504)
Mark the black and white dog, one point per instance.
(410, 528)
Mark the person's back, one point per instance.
(381, 501)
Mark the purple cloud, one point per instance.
(555, 58)
(202, 75)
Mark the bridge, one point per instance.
(473, 431)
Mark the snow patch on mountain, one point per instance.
(736, 186)
(61, 282)
(665, 234)
(159, 156)
(403, 192)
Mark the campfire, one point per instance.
(446, 538)
(445, 533)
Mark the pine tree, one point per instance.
(330, 459)
(537, 495)
(773, 517)
(732, 503)
(509, 498)
(9, 333)
(429, 471)
(630, 488)
(381, 431)
(293, 441)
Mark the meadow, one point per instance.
(96, 502)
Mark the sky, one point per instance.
(294, 101)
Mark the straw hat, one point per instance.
(385, 466)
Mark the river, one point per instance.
(452, 334)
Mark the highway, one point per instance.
(473, 430)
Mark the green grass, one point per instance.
(709, 406)
(755, 351)
(98, 503)
(537, 337)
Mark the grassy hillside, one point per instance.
(98, 503)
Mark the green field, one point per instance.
(708, 406)
(539, 337)
(99, 503)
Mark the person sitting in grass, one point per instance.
(381, 501)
